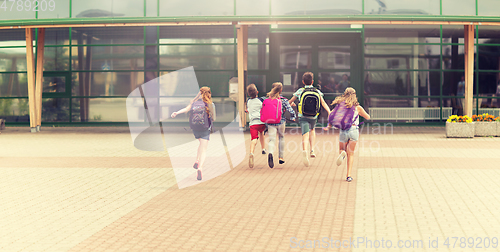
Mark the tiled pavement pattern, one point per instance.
(88, 189)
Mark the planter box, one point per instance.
(485, 129)
(460, 129)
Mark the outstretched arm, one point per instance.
(362, 112)
(184, 110)
(290, 110)
(323, 103)
(292, 101)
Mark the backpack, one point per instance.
(310, 101)
(199, 119)
(342, 117)
(271, 111)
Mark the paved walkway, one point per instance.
(89, 189)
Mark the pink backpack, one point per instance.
(271, 111)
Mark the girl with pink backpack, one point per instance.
(345, 117)
(273, 114)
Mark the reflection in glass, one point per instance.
(210, 57)
(295, 57)
(462, 7)
(56, 36)
(334, 57)
(55, 110)
(178, 8)
(197, 34)
(13, 85)
(56, 59)
(218, 81)
(402, 7)
(101, 110)
(402, 33)
(411, 83)
(488, 7)
(260, 83)
(258, 56)
(54, 84)
(105, 58)
(334, 83)
(402, 57)
(109, 8)
(106, 83)
(316, 7)
(14, 110)
(107, 35)
(54, 9)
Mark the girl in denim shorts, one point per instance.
(349, 138)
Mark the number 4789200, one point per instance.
(28, 5)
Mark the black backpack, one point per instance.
(310, 102)
(199, 119)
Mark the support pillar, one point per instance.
(242, 51)
(469, 68)
(30, 62)
(40, 48)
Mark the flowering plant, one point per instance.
(483, 118)
(455, 118)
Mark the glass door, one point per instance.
(334, 59)
(56, 97)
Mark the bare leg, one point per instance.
(312, 140)
(351, 145)
(263, 140)
(202, 152)
(305, 141)
(253, 143)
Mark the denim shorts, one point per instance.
(351, 134)
(202, 134)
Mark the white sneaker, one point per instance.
(305, 158)
(341, 158)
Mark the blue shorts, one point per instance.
(202, 134)
(351, 134)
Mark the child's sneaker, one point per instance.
(313, 155)
(341, 158)
(282, 161)
(199, 175)
(349, 179)
(263, 151)
(250, 160)
(305, 159)
(195, 165)
(270, 160)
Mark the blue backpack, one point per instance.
(199, 120)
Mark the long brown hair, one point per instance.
(206, 95)
(275, 91)
(349, 97)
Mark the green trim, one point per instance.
(441, 79)
(234, 7)
(14, 97)
(440, 7)
(70, 8)
(14, 72)
(228, 19)
(476, 8)
(363, 7)
(144, 7)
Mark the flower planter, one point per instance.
(498, 128)
(485, 129)
(460, 129)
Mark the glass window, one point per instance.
(295, 57)
(16, 10)
(488, 83)
(13, 59)
(489, 57)
(402, 34)
(334, 57)
(395, 103)
(462, 7)
(14, 110)
(334, 83)
(488, 7)
(315, 7)
(56, 59)
(174, 57)
(258, 34)
(55, 110)
(13, 84)
(54, 84)
(260, 83)
(57, 36)
(197, 34)
(258, 57)
(108, 35)
(402, 57)
(218, 81)
(252, 8)
(453, 57)
(451, 83)
(224, 106)
(403, 83)
(106, 83)
(52, 8)
(13, 37)
(402, 7)
(100, 110)
(292, 81)
(104, 58)
(107, 8)
(176, 8)
(151, 8)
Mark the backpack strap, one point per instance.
(260, 99)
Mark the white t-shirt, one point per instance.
(253, 106)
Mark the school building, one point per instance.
(68, 62)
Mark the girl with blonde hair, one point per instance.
(348, 138)
(203, 99)
(278, 128)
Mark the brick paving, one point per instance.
(89, 189)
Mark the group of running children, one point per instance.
(268, 113)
